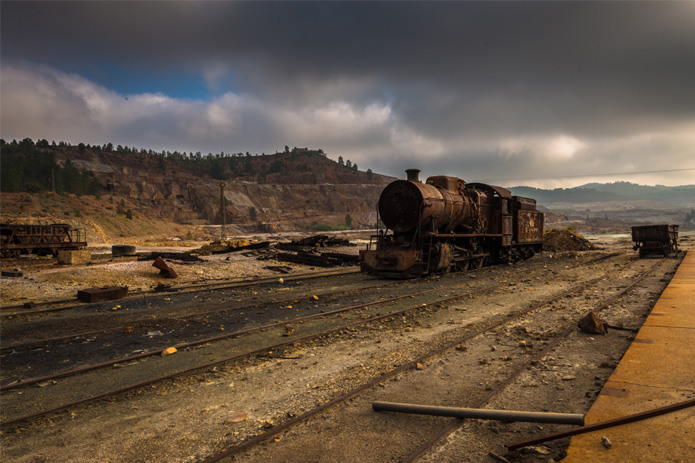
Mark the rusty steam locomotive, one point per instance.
(446, 224)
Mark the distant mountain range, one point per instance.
(677, 196)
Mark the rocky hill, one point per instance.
(138, 193)
(614, 207)
(672, 197)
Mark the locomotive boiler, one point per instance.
(446, 224)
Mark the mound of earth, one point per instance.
(566, 240)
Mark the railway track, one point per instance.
(120, 334)
(365, 311)
(44, 307)
(437, 434)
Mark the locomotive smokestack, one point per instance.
(413, 175)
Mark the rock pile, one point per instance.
(566, 240)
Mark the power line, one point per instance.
(587, 175)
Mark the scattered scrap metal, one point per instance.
(279, 268)
(108, 293)
(304, 251)
(306, 258)
(165, 270)
(223, 247)
(12, 273)
(180, 256)
(322, 241)
(481, 413)
(591, 324)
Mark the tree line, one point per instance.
(32, 167)
(27, 168)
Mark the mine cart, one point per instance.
(659, 239)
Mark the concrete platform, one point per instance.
(657, 370)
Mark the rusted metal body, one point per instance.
(102, 294)
(660, 239)
(447, 224)
(164, 269)
(16, 239)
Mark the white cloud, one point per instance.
(41, 102)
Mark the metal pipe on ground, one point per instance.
(480, 413)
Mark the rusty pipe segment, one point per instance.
(479, 413)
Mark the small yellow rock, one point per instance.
(169, 351)
(237, 417)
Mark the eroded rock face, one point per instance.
(313, 188)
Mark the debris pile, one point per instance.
(312, 242)
(180, 256)
(223, 247)
(566, 240)
(322, 241)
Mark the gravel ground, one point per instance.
(44, 280)
(189, 419)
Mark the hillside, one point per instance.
(141, 193)
(125, 193)
(614, 207)
(677, 196)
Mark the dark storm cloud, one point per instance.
(472, 82)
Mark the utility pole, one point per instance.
(222, 210)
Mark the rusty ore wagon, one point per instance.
(660, 239)
(16, 239)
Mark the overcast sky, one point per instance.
(514, 93)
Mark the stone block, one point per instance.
(74, 257)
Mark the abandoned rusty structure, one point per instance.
(447, 224)
(659, 239)
(16, 239)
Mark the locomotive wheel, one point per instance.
(477, 264)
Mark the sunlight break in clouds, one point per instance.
(543, 147)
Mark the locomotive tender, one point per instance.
(446, 224)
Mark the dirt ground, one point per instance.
(44, 279)
(191, 418)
